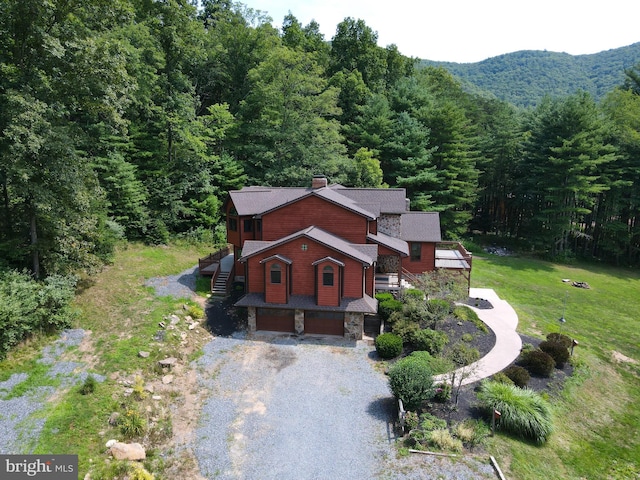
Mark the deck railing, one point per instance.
(214, 257)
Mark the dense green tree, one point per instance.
(564, 155)
(286, 132)
(61, 73)
(355, 47)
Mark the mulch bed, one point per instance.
(467, 401)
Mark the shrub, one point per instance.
(88, 386)
(538, 362)
(471, 432)
(388, 345)
(462, 354)
(414, 293)
(411, 381)
(432, 341)
(558, 351)
(382, 296)
(561, 339)
(28, 306)
(443, 392)
(430, 422)
(500, 377)
(443, 440)
(411, 421)
(195, 311)
(518, 375)
(523, 412)
(467, 337)
(387, 307)
(404, 327)
(132, 424)
(464, 313)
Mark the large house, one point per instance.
(312, 258)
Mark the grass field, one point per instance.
(597, 415)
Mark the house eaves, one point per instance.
(258, 201)
(361, 253)
(392, 243)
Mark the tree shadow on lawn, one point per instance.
(517, 263)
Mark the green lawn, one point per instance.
(597, 416)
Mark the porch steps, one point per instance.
(220, 286)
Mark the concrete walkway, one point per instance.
(503, 320)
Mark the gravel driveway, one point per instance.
(280, 408)
(289, 409)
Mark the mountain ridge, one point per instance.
(524, 77)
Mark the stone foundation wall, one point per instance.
(251, 318)
(353, 326)
(298, 322)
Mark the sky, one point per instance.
(473, 30)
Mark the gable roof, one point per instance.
(420, 227)
(387, 200)
(257, 201)
(390, 242)
(367, 254)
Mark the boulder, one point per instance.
(128, 451)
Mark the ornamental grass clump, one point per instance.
(524, 413)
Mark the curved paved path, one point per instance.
(503, 320)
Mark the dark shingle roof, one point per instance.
(388, 200)
(365, 304)
(369, 202)
(393, 243)
(420, 227)
(366, 254)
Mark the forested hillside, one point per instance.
(524, 78)
(132, 119)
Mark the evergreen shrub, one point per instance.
(564, 340)
(432, 341)
(518, 375)
(558, 351)
(538, 362)
(411, 381)
(388, 345)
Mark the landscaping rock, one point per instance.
(114, 418)
(168, 362)
(128, 451)
(167, 379)
(142, 354)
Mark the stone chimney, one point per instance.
(318, 181)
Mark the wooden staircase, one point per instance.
(219, 286)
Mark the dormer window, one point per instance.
(327, 276)
(276, 273)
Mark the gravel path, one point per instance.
(20, 424)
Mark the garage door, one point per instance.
(325, 323)
(275, 320)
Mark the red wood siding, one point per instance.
(328, 295)
(302, 269)
(427, 261)
(276, 292)
(317, 212)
